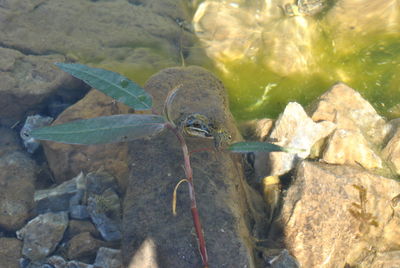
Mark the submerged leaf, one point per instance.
(254, 146)
(110, 83)
(103, 129)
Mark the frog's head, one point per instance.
(199, 125)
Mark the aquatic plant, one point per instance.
(128, 127)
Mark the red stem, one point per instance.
(193, 206)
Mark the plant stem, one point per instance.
(193, 206)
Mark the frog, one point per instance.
(199, 125)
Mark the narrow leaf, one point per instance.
(103, 129)
(253, 146)
(110, 83)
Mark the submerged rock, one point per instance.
(42, 234)
(83, 247)
(32, 122)
(105, 211)
(10, 252)
(17, 177)
(108, 258)
(66, 160)
(59, 198)
(152, 236)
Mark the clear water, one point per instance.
(272, 59)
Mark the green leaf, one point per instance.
(254, 146)
(103, 129)
(110, 83)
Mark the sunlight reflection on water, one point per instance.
(258, 43)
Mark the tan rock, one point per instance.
(294, 129)
(350, 147)
(389, 259)
(67, 160)
(391, 152)
(10, 252)
(333, 215)
(349, 110)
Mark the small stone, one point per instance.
(76, 227)
(282, 260)
(58, 198)
(83, 247)
(42, 235)
(105, 212)
(108, 258)
(77, 264)
(56, 261)
(32, 122)
(10, 252)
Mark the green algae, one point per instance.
(370, 64)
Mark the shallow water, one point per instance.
(266, 58)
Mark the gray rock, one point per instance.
(99, 181)
(59, 198)
(56, 261)
(42, 234)
(108, 258)
(282, 260)
(17, 177)
(32, 122)
(9, 141)
(105, 212)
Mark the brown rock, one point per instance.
(83, 247)
(9, 141)
(76, 227)
(27, 81)
(152, 236)
(349, 110)
(333, 215)
(17, 177)
(350, 147)
(10, 252)
(67, 160)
